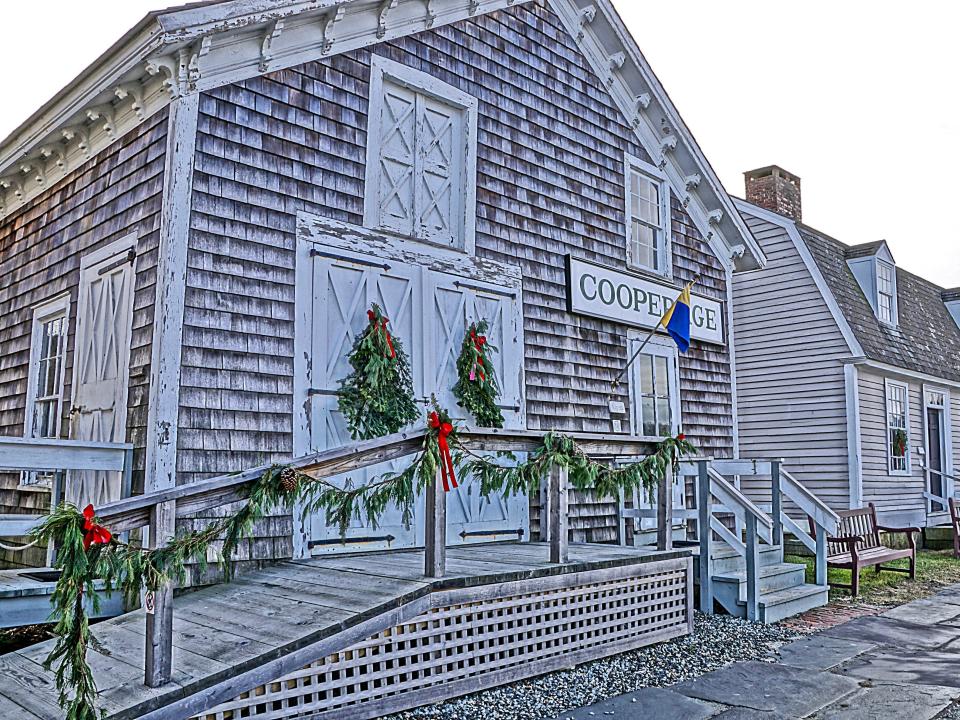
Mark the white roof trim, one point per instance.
(632, 84)
(902, 374)
(791, 228)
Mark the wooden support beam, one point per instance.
(435, 530)
(158, 661)
(753, 568)
(821, 561)
(545, 509)
(559, 518)
(776, 509)
(665, 510)
(706, 536)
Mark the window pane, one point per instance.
(649, 422)
(662, 388)
(646, 374)
(664, 425)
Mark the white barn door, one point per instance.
(343, 291)
(101, 364)
(454, 303)
(429, 312)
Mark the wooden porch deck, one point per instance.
(230, 638)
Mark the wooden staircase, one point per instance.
(782, 589)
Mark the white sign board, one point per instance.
(635, 300)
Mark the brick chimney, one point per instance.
(773, 188)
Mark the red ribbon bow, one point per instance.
(681, 436)
(446, 461)
(93, 534)
(478, 342)
(372, 316)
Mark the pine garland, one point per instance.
(477, 389)
(376, 398)
(87, 552)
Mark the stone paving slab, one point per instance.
(739, 713)
(822, 652)
(646, 704)
(888, 631)
(907, 666)
(890, 700)
(768, 686)
(926, 612)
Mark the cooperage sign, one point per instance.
(634, 300)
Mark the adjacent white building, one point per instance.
(847, 365)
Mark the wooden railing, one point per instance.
(59, 457)
(753, 524)
(158, 510)
(933, 497)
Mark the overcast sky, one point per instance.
(860, 99)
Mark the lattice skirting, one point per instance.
(480, 637)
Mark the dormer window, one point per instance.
(875, 271)
(886, 292)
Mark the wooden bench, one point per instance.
(955, 524)
(858, 545)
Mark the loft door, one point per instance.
(101, 365)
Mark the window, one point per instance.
(421, 157)
(48, 349)
(886, 293)
(655, 400)
(898, 431)
(648, 217)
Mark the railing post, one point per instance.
(435, 530)
(753, 561)
(821, 568)
(559, 541)
(665, 509)
(545, 509)
(158, 660)
(776, 509)
(705, 535)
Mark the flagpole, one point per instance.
(616, 381)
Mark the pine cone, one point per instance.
(289, 479)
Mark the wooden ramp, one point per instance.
(291, 618)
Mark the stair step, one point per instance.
(772, 577)
(726, 559)
(785, 603)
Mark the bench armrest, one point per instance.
(847, 539)
(904, 530)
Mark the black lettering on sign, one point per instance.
(696, 313)
(624, 296)
(711, 319)
(605, 288)
(654, 305)
(639, 299)
(583, 286)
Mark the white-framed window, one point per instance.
(648, 216)
(654, 388)
(898, 428)
(886, 293)
(48, 351)
(421, 157)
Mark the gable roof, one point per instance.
(926, 339)
(208, 44)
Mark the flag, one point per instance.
(677, 319)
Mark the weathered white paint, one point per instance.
(946, 435)
(636, 300)
(163, 406)
(635, 166)
(101, 362)
(58, 307)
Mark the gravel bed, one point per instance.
(716, 641)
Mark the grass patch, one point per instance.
(935, 570)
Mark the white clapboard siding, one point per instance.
(790, 386)
(899, 498)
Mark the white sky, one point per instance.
(859, 98)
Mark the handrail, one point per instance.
(937, 472)
(134, 512)
(735, 500)
(809, 503)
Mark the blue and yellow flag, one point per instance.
(677, 319)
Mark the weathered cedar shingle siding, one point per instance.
(116, 193)
(790, 383)
(549, 181)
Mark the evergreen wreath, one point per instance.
(477, 389)
(376, 398)
(88, 551)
